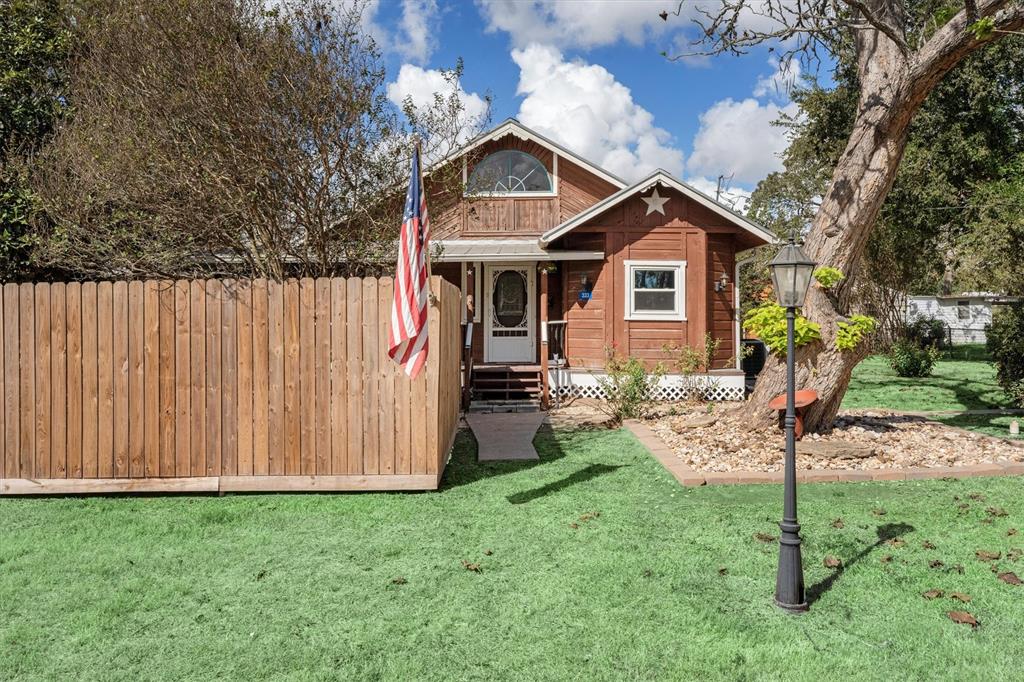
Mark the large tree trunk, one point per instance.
(860, 183)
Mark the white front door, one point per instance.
(510, 312)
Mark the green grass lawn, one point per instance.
(962, 380)
(594, 564)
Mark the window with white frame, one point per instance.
(655, 290)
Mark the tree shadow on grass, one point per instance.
(581, 476)
(464, 468)
(885, 533)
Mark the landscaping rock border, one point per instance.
(689, 477)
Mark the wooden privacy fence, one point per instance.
(221, 385)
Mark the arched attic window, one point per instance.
(509, 172)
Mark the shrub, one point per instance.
(628, 385)
(768, 323)
(693, 362)
(927, 331)
(911, 360)
(1005, 342)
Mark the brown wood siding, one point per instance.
(627, 232)
(579, 189)
(576, 189)
(722, 308)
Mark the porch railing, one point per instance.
(556, 355)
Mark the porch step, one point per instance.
(506, 383)
(483, 406)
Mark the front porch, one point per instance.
(537, 323)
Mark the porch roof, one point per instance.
(490, 250)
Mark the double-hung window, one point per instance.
(655, 290)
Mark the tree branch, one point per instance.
(954, 40)
(894, 34)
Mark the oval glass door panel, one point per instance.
(509, 299)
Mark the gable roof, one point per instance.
(513, 127)
(658, 177)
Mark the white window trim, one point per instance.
(553, 176)
(677, 315)
(476, 294)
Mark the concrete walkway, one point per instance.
(505, 435)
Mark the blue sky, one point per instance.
(589, 74)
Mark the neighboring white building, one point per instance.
(966, 315)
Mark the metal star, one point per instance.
(655, 203)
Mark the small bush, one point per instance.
(910, 360)
(693, 363)
(1005, 342)
(926, 332)
(629, 385)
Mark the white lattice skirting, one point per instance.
(714, 387)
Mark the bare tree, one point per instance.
(903, 49)
(220, 137)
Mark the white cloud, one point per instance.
(780, 83)
(418, 29)
(421, 85)
(583, 107)
(738, 139)
(580, 23)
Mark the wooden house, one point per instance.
(562, 262)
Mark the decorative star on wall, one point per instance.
(655, 203)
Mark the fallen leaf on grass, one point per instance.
(977, 497)
(896, 542)
(935, 563)
(887, 559)
(833, 562)
(471, 567)
(488, 552)
(1011, 532)
(838, 523)
(574, 525)
(1010, 578)
(1014, 554)
(722, 570)
(963, 506)
(590, 515)
(960, 596)
(987, 519)
(928, 545)
(261, 575)
(957, 568)
(932, 594)
(963, 618)
(878, 512)
(995, 511)
(982, 555)
(399, 581)
(764, 537)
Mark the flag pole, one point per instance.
(419, 163)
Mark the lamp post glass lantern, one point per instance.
(791, 274)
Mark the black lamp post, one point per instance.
(791, 274)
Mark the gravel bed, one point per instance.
(861, 439)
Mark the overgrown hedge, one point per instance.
(1005, 341)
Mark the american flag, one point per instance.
(408, 340)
